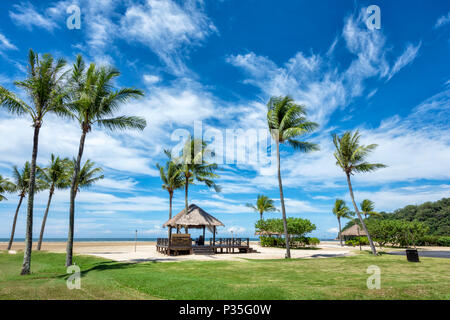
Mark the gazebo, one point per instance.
(353, 231)
(197, 218)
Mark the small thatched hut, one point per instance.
(196, 218)
(353, 231)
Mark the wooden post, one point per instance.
(186, 229)
(204, 232)
(214, 238)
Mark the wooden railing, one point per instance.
(229, 242)
(163, 242)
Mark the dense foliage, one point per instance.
(356, 241)
(434, 215)
(397, 232)
(296, 226)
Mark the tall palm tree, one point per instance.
(44, 86)
(172, 178)
(340, 210)
(193, 166)
(287, 121)
(368, 209)
(88, 175)
(5, 187)
(21, 185)
(263, 204)
(57, 176)
(351, 158)
(94, 101)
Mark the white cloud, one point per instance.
(6, 44)
(406, 58)
(333, 230)
(442, 21)
(166, 28)
(26, 15)
(151, 79)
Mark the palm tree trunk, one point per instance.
(340, 235)
(261, 215)
(14, 222)
(186, 195)
(26, 265)
(170, 205)
(44, 220)
(73, 191)
(283, 209)
(374, 251)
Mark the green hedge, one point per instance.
(294, 242)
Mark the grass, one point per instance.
(330, 278)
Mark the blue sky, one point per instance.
(217, 63)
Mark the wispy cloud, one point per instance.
(442, 21)
(406, 58)
(6, 44)
(26, 15)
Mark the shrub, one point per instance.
(356, 241)
(443, 241)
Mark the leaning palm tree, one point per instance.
(88, 176)
(263, 204)
(193, 166)
(351, 158)
(44, 86)
(94, 101)
(6, 186)
(171, 177)
(21, 185)
(340, 210)
(58, 177)
(287, 121)
(368, 209)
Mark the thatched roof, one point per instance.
(196, 218)
(353, 231)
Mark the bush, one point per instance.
(296, 226)
(293, 242)
(397, 232)
(356, 241)
(443, 241)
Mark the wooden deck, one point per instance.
(213, 246)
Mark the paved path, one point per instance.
(427, 254)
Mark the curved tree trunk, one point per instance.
(374, 251)
(31, 191)
(340, 235)
(186, 207)
(283, 209)
(261, 215)
(44, 220)
(14, 222)
(73, 191)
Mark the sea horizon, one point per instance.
(115, 239)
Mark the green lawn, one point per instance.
(330, 278)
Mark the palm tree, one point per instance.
(5, 187)
(21, 185)
(171, 177)
(94, 101)
(44, 87)
(89, 175)
(193, 166)
(287, 121)
(58, 177)
(340, 210)
(263, 204)
(351, 157)
(368, 209)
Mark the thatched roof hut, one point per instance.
(195, 218)
(354, 231)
